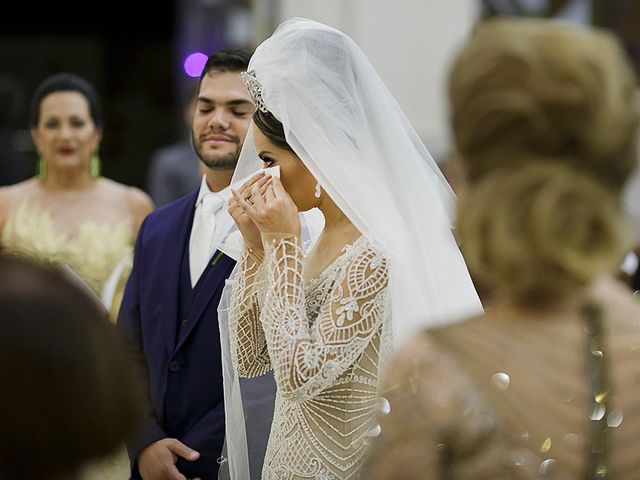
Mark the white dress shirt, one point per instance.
(208, 219)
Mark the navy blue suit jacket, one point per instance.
(178, 359)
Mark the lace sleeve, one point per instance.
(308, 355)
(438, 426)
(248, 345)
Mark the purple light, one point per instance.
(194, 64)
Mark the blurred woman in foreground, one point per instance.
(67, 397)
(545, 383)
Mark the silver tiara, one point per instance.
(255, 89)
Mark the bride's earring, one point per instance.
(318, 191)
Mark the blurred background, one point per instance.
(144, 57)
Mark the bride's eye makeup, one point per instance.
(267, 160)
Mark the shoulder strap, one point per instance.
(600, 391)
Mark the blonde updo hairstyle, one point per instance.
(545, 120)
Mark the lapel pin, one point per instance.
(216, 259)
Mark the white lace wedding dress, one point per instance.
(324, 340)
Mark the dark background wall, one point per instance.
(132, 51)
(619, 16)
(125, 49)
(623, 17)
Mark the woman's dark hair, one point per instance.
(67, 396)
(65, 82)
(271, 127)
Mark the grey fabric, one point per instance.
(258, 396)
(174, 171)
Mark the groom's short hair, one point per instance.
(227, 60)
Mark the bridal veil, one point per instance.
(344, 124)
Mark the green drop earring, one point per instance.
(94, 166)
(41, 169)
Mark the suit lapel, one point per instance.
(172, 254)
(209, 284)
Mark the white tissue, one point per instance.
(273, 171)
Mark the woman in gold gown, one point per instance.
(545, 384)
(68, 214)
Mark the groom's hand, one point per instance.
(158, 460)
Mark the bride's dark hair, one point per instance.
(271, 127)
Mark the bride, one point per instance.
(325, 318)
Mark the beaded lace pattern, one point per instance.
(324, 339)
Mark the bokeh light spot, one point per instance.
(194, 64)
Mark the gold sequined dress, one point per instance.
(518, 395)
(95, 251)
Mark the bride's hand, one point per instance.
(274, 212)
(238, 209)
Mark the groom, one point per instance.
(168, 316)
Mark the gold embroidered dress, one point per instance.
(95, 251)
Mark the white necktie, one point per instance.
(202, 235)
